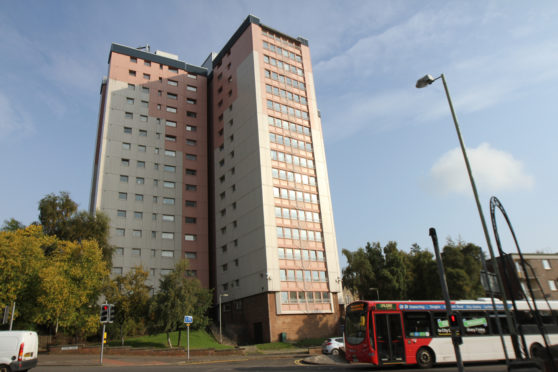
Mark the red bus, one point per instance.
(417, 332)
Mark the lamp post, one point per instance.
(424, 82)
(220, 331)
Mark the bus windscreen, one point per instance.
(355, 323)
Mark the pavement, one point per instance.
(58, 359)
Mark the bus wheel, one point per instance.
(425, 358)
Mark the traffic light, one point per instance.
(453, 321)
(105, 338)
(105, 310)
(112, 313)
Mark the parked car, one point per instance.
(18, 350)
(333, 346)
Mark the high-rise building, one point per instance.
(224, 165)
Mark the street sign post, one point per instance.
(188, 319)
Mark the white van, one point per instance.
(18, 350)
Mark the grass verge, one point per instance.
(199, 339)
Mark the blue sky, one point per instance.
(393, 159)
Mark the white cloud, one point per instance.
(13, 121)
(494, 170)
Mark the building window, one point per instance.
(143, 118)
(191, 157)
(170, 123)
(546, 264)
(138, 215)
(140, 164)
(190, 203)
(136, 233)
(116, 271)
(191, 142)
(128, 115)
(129, 100)
(190, 219)
(171, 96)
(191, 172)
(139, 197)
(143, 133)
(168, 254)
(170, 168)
(127, 130)
(552, 285)
(170, 153)
(191, 101)
(122, 195)
(191, 128)
(131, 73)
(121, 213)
(119, 251)
(142, 148)
(167, 235)
(190, 237)
(136, 252)
(168, 217)
(191, 88)
(171, 109)
(133, 60)
(170, 138)
(191, 187)
(191, 255)
(123, 178)
(191, 114)
(124, 162)
(168, 201)
(173, 83)
(131, 87)
(169, 184)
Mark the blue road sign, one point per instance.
(188, 319)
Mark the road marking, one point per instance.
(215, 361)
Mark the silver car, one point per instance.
(333, 346)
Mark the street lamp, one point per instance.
(220, 331)
(425, 81)
(377, 292)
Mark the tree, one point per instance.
(21, 259)
(178, 295)
(55, 212)
(422, 269)
(12, 225)
(372, 268)
(59, 216)
(130, 295)
(70, 285)
(462, 263)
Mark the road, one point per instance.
(269, 364)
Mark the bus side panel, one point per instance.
(412, 346)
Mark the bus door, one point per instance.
(389, 338)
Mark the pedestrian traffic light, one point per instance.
(453, 321)
(104, 338)
(112, 313)
(105, 310)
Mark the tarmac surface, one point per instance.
(62, 359)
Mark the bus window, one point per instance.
(355, 323)
(475, 323)
(417, 324)
(494, 325)
(441, 325)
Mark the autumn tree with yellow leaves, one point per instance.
(58, 289)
